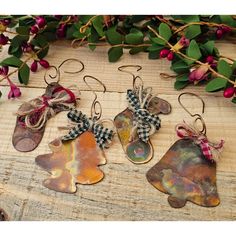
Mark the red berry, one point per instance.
(210, 59)
(61, 31)
(34, 66)
(229, 92)
(170, 56)
(34, 29)
(219, 33)
(3, 39)
(164, 53)
(44, 63)
(226, 29)
(40, 21)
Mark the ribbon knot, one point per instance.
(144, 122)
(35, 113)
(102, 135)
(210, 150)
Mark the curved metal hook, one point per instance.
(134, 76)
(52, 76)
(72, 59)
(198, 116)
(95, 115)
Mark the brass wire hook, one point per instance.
(58, 72)
(95, 115)
(198, 116)
(121, 68)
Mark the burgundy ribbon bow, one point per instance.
(186, 131)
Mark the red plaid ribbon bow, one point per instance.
(186, 131)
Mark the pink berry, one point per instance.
(61, 31)
(210, 59)
(170, 56)
(34, 29)
(164, 53)
(3, 39)
(219, 33)
(34, 66)
(229, 92)
(5, 70)
(226, 29)
(40, 21)
(44, 63)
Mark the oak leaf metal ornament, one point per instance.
(140, 120)
(187, 172)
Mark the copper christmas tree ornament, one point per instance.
(76, 157)
(73, 162)
(140, 120)
(33, 115)
(187, 172)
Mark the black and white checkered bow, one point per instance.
(143, 119)
(102, 135)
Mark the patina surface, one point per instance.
(72, 162)
(185, 175)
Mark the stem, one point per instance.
(189, 58)
(27, 59)
(202, 23)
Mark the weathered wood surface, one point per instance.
(124, 194)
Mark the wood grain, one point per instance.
(124, 194)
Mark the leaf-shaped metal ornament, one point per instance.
(74, 161)
(186, 174)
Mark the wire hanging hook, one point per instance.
(96, 108)
(198, 116)
(72, 59)
(58, 71)
(121, 68)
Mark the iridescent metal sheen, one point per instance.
(185, 175)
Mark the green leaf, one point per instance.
(153, 55)
(134, 37)
(115, 53)
(190, 18)
(228, 20)
(23, 74)
(224, 68)
(165, 31)
(85, 18)
(136, 50)
(192, 31)
(11, 61)
(24, 30)
(155, 47)
(179, 67)
(39, 41)
(216, 84)
(193, 50)
(209, 46)
(16, 43)
(70, 32)
(98, 25)
(234, 66)
(113, 37)
(233, 100)
(182, 78)
(180, 84)
(158, 41)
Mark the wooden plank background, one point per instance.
(124, 194)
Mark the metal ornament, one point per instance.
(33, 115)
(72, 162)
(76, 157)
(140, 120)
(187, 172)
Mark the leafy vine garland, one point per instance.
(187, 41)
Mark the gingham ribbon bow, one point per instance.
(144, 121)
(103, 135)
(208, 148)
